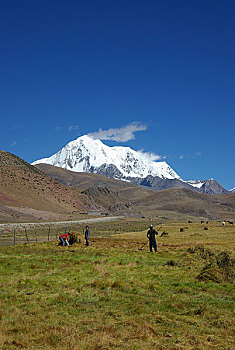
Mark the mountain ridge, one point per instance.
(87, 155)
(92, 156)
(49, 193)
(172, 203)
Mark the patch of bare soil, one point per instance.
(40, 214)
(4, 198)
(24, 214)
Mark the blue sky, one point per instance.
(69, 68)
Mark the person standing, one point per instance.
(152, 239)
(87, 235)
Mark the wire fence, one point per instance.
(20, 234)
(31, 235)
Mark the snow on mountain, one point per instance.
(198, 183)
(208, 186)
(195, 183)
(88, 155)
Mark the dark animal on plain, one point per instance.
(189, 221)
(202, 222)
(230, 222)
(164, 234)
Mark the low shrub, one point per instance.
(75, 237)
(220, 269)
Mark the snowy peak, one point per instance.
(207, 186)
(88, 155)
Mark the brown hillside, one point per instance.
(171, 203)
(183, 203)
(112, 195)
(84, 181)
(25, 191)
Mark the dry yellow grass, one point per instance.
(113, 296)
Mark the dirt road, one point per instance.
(4, 227)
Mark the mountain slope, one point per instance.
(48, 193)
(26, 192)
(184, 203)
(171, 203)
(92, 156)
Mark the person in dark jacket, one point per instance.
(152, 239)
(87, 235)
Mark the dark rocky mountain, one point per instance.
(157, 183)
(110, 170)
(212, 187)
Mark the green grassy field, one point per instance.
(112, 295)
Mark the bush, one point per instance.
(75, 237)
(221, 269)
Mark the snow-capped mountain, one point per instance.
(88, 155)
(210, 186)
(123, 163)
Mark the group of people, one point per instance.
(64, 239)
(151, 234)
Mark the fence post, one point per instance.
(26, 235)
(14, 237)
(49, 233)
(36, 236)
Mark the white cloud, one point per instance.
(73, 127)
(13, 143)
(57, 128)
(150, 156)
(123, 134)
(181, 156)
(199, 154)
